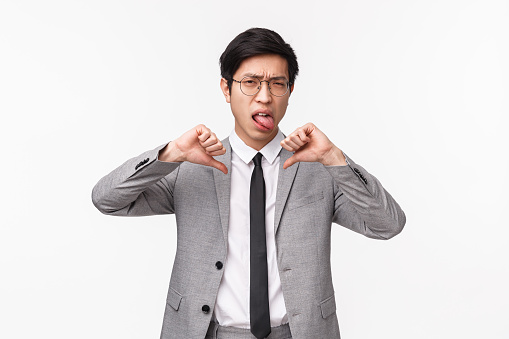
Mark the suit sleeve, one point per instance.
(362, 204)
(141, 186)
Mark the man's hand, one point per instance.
(197, 145)
(311, 145)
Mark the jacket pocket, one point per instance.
(174, 299)
(328, 306)
(305, 200)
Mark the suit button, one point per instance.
(356, 170)
(205, 309)
(219, 265)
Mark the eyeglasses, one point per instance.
(251, 85)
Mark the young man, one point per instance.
(254, 212)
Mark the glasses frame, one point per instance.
(260, 86)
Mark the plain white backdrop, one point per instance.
(414, 91)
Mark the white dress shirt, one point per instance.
(232, 304)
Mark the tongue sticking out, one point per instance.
(265, 121)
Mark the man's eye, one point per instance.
(249, 82)
(278, 84)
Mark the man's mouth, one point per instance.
(263, 120)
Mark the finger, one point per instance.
(210, 141)
(218, 152)
(203, 133)
(308, 128)
(303, 135)
(290, 161)
(214, 147)
(292, 144)
(219, 165)
(286, 147)
(297, 140)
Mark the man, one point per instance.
(254, 212)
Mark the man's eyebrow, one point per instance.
(254, 75)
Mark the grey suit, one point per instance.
(309, 198)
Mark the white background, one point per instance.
(415, 91)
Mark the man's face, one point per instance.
(257, 117)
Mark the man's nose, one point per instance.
(264, 94)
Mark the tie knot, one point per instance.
(257, 159)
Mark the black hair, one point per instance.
(256, 41)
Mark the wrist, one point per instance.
(334, 157)
(170, 153)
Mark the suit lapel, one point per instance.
(223, 182)
(284, 184)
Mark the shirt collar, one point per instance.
(246, 153)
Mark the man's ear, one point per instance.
(291, 89)
(226, 90)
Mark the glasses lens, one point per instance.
(249, 85)
(278, 87)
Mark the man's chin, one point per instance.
(265, 134)
(257, 139)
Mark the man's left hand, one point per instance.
(312, 145)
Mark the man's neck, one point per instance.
(254, 143)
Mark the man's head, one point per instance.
(256, 41)
(264, 56)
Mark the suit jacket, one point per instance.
(310, 197)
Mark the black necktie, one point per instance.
(259, 298)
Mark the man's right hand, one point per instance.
(197, 145)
